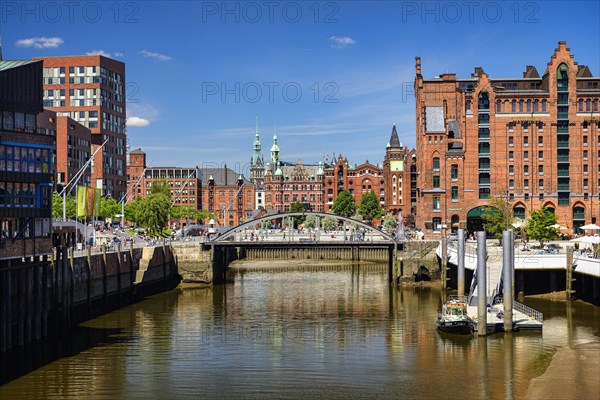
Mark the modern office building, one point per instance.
(532, 140)
(92, 91)
(26, 169)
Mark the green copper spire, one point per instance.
(275, 150)
(257, 158)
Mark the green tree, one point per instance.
(329, 223)
(369, 206)
(153, 213)
(131, 210)
(57, 206)
(494, 217)
(344, 204)
(298, 207)
(389, 222)
(161, 186)
(109, 208)
(310, 222)
(539, 226)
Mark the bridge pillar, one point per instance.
(569, 278)
(390, 264)
(481, 285)
(461, 263)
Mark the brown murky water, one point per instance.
(337, 332)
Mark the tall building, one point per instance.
(532, 140)
(227, 195)
(286, 183)
(400, 177)
(257, 167)
(91, 91)
(185, 184)
(357, 180)
(26, 171)
(73, 147)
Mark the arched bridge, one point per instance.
(251, 240)
(375, 234)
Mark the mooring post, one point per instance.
(460, 273)
(481, 285)
(507, 272)
(390, 264)
(569, 277)
(444, 265)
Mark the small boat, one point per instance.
(453, 318)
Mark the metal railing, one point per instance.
(522, 308)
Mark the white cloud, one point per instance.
(98, 53)
(118, 54)
(137, 121)
(40, 42)
(156, 56)
(341, 41)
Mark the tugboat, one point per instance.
(453, 318)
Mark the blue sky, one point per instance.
(330, 77)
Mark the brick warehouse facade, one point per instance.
(91, 91)
(535, 140)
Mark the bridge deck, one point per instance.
(305, 244)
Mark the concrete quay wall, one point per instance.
(45, 296)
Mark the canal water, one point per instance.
(314, 332)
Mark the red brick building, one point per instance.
(290, 184)
(534, 139)
(394, 181)
(227, 195)
(91, 90)
(357, 180)
(73, 147)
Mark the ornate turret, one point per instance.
(275, 151)
(257, 170)
(394, 141)
(320, 172)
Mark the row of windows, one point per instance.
(25, 159)
(25, 195)
(17, 121)
(24, 228)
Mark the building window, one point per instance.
(526, 140)
(511, 141)
(436, 203)
(528, 106)
(540, 140)
(526, 184)
(454, 172)
(511, 169)
(525, 126)
(536, 105)
(436, 181)
(540, 155)
(511, 127)
(454, 193)
(585, 155)
(585, 183)
(436, 163)
(511, 183)
(541, 169)
(511, 155)
(521, 102)
(544, 102)
(526, 155)
(468, 106)
(541, 184)
(585, 140)
(514, 106)
(540, 126)
(498, 106)
(585, 168)
(526, 169)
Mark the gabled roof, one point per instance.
(220, 177)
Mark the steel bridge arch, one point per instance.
(241, 227)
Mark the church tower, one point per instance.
(257, 168)
(393, 173)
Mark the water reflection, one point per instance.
(336, 332)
